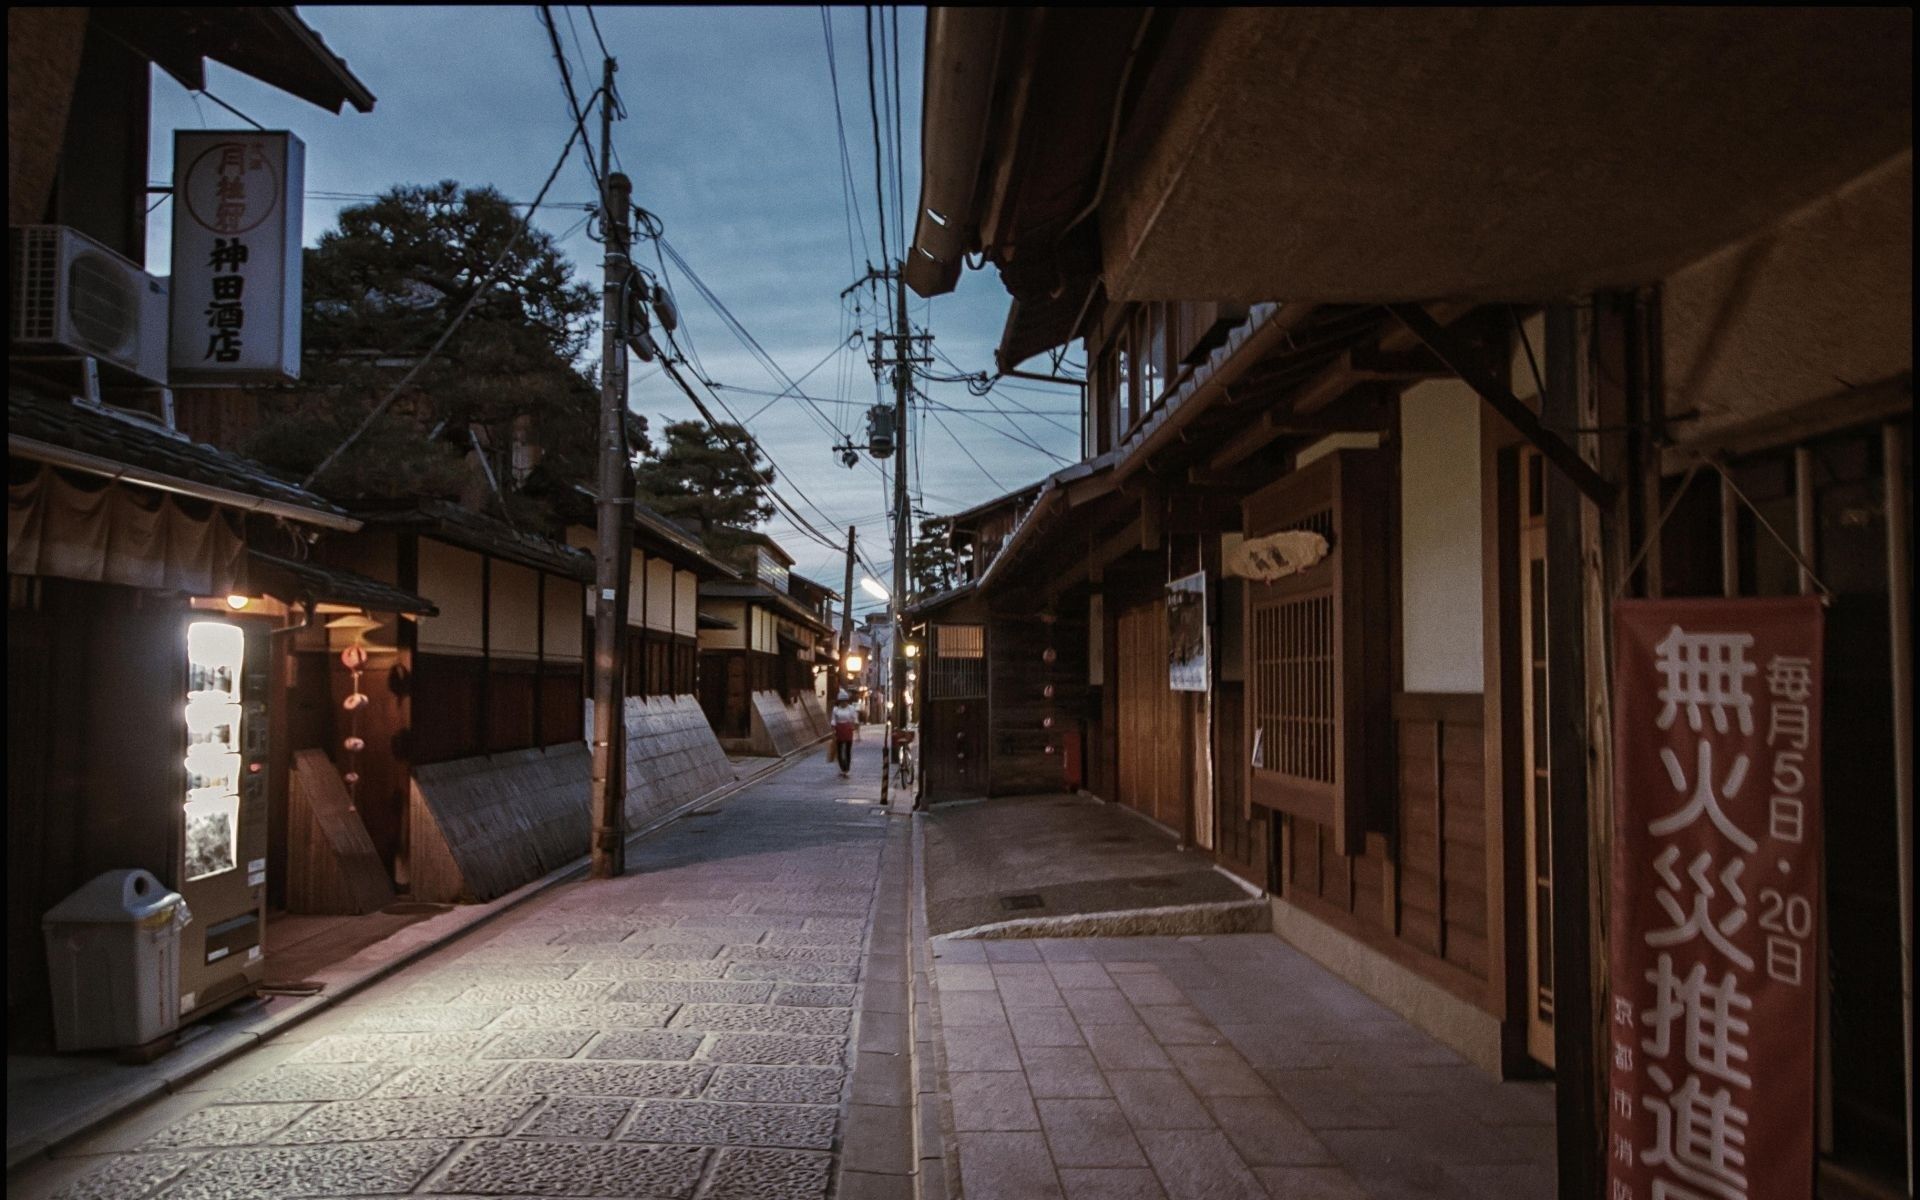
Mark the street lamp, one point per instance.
(872, 587)
(854, 663)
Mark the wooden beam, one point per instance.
(1270, 426)
(1112, 547)
(1153, 519)
(1373, 362)
(1501, 399)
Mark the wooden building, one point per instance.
(663, 597)
(764, 632)
(1410, 421)
(145, 571)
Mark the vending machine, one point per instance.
(223, 844)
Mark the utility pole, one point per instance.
(902, 512)
(846, 621)
(615, 521)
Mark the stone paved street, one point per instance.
(1224, 1067)
(691, 1028)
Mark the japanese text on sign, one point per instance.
(1715, 877)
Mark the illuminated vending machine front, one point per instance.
(223, 848)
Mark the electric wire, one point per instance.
(849, 191)
(479, 289)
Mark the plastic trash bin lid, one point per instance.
(128, 897)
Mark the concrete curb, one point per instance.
(939, 1148)
(233, 1043)
(1224, 916)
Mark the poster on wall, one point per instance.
(236, 256)
(1187, 633)
(1716, 887)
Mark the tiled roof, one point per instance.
(333, 585)
(37, 421)
(470, 530)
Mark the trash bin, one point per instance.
(113, 957)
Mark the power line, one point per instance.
(573, 101)
(970, 457)
(879, 189)
(479, 289)
(849, 192)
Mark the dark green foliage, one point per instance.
(933, 565)
(703, 475)
(379, 291)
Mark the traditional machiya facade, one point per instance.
(765, 632)
(1366, 478)
(663, 604)
(155, 584)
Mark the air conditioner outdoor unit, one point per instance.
(73, 293)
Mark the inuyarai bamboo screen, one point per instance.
(1317, 646)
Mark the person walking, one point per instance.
(846, 731)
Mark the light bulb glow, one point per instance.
(872, 587)
(236, 602)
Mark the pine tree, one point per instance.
(703, 475)
(379, 290)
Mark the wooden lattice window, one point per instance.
(1318, 723)
(958, 670)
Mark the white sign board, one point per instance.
(236, 256)
(1187, 634)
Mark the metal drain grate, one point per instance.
(1015, 903)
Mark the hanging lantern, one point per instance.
(1047, 692)
(1047, 656)
(354, 744)
(351, 777)
(354, 657)
(357, 700)
(1046, 722)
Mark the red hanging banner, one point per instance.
(1716, 859)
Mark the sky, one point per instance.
(730, 139)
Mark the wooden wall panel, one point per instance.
(1018, 675)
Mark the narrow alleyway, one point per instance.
(690, 1028)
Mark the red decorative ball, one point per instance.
(355, 744)
(351, 777)
(354, 657)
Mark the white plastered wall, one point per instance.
(1440, 565)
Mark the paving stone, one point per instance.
(358, 1169)
(127, 1177)
(991, 1100)
(1107, 1183)
(606, 1079)
(1267, 1133)
(443, 1079)
(646, 968)
(762, 1018)
(577, 1117)
(529, 971)
(681, 951)
(1158, 1100)
(980, 1048)
(408, 1119)
(393, 1047)
(1126, 1048)
(707, 1123)
(828, 954)
(607, 1015)
(1333, 1183)
(1179, 1025)
(1043, 1027)
(1063, 1072)
(1006, 1166)
(815, 995)
(1099, 1006)
(1217, 1071)
(777, 1049)
(851, 935)
(432, 1019)
(768, 1175)
(794, 972)
(296, 1082)
(775, 1085)
(574, 1169)
(558, 991)
(224, 1125)
(677, 935)
(590, 935)
(1089, 1133)
(1197, 1164)
(538, 1043)
(671, 993)
(647, 1044)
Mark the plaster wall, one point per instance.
(450, 578)
(1440, 566)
